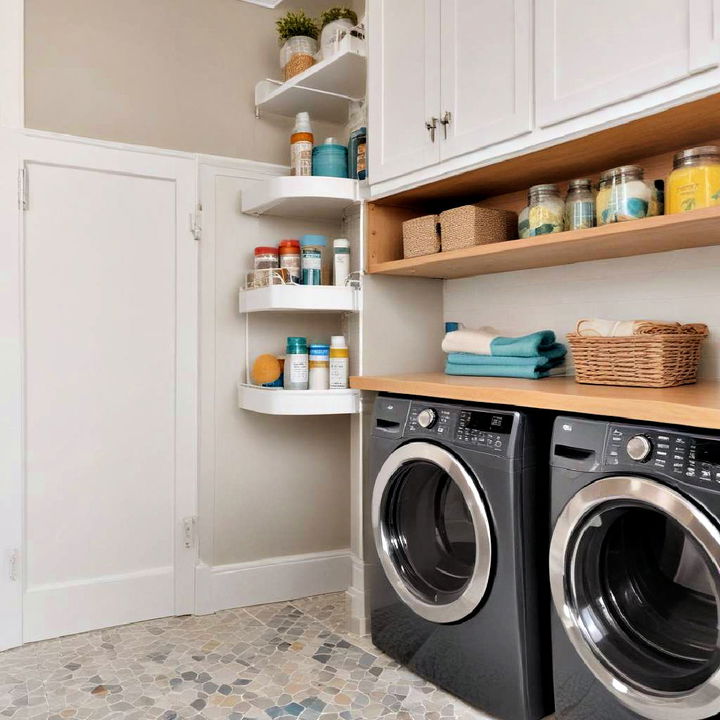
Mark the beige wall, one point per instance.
(176, 74)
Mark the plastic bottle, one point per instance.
(339, 363)
(289, 256)
(357, 143)
(313, 249)
(341, 261)
(296, 364)
(301, 146)
(319, 367)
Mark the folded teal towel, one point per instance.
(487, 341)
(520, 371)
(553, 357)
(537, 343)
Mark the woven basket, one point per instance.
(649, 360)
(470, 225)
(420, 236)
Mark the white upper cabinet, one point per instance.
(591, 55)
(404, 86)
(485, 71)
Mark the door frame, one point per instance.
(17, 151)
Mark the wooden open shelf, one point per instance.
(698, 228)
(649, 142)
(692, 405)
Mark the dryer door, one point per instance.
(432, 532)
(635, 577)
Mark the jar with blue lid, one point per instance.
(319, 378)
(330, 159)
(313, 262)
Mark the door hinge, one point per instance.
(189, 524)
(22, 189)
(13, 565)
(196, 225)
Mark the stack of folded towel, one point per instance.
(485, 352)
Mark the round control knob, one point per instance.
(427, 418)
(639, 448)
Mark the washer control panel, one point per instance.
(484, 429)
(479, 429)
(692, 459)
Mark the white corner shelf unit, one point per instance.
(299, 298)
(276, 401)
(324, 90)
(324, 198)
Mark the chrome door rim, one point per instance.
(697, 704)
(477, 586)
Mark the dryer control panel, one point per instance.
(692, 459)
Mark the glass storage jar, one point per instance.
(695, 179)
(545, 210)
(579, 205)
(622, 195)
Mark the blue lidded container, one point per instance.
(312, 251)
(330, 159)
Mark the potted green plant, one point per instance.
(298, 35)
(335, 22)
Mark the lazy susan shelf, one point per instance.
(276, 401)
(324, 90)
(299, 298)
(301, 197)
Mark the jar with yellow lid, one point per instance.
(695, 180)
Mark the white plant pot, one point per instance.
(331, 36)
(297, 54)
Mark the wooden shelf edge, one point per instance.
(698, 228)
(690, 405)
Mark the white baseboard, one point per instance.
(272, 580)
(58, 609)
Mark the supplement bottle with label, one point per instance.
(301, 146)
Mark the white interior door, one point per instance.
(109, 274)
(590, 55)
(403, 86)
(486, 70)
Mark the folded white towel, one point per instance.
(470, 341)
(597, 327)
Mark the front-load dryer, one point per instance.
(456, 504)
(635, 571)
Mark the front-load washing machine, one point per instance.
(456, 504)
(635, 571)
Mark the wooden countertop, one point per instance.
(694, 405)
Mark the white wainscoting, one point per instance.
(271, 580)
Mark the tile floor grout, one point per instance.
(282, 661)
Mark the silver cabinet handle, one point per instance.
(446, 120)
(431, 126)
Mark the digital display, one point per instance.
(708, 451)
(488, 422)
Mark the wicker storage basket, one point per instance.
(471, 225)
(648, 360)
(420, 236)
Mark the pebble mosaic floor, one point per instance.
(282, 662)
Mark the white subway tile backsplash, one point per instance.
(682, 285)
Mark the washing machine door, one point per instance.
(432, 532)
(635, 577)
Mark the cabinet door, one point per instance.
(485, 50)
(404, 85)
(590, 55)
